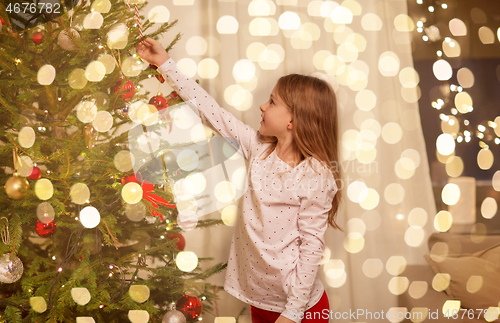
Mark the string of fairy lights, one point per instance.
(455, 102)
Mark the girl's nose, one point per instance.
(262, 108)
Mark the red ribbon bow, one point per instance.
(147, 194)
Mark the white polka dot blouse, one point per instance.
(278, 240)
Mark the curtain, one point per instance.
(239, 48)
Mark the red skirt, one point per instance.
(318, 313)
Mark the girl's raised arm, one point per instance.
(193, 94)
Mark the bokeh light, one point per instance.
(208, 68)
(443, 221)
(404, 23)
(132, 193)
(457, 27)
(159, 14)
(93, 20)
(289, 20)
(485, 159)
(44, 189)
(79, 193)
(441, 281)
(371, 22)
(95, 71)
(26, 137)
(373, 267)
(196, 46)
(445, 144)
(46, 74)
(486, 35)
(186, 261)
(465, 77)
(90, 217)
(261, 8)
(227, 25)
(442, 70)
(77, 79)
(45, 212)
(450, 194)
(86, 111)
(489, 208)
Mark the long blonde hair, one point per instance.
(315, 132)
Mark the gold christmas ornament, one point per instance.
(90, 135)
(16, 187)
(65, 39)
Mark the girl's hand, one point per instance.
(152, 52)
(282, 319)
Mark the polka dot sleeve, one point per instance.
(316, 192)
(221, 120)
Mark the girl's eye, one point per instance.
(271, 101)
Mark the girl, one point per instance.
(278, 240)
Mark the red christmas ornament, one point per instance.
(37, 38)
(45, 229)
(127, 90)
(36, 174)
(181, 243)
(159, 102)
(2, 21)
(190, 306)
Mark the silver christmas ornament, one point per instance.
(65, 40)
(173, 316)
(11, 268)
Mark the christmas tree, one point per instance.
(86, 236)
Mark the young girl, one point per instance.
(278, 240)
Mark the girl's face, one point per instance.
(276, 117)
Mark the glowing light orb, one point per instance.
(132, 193)
(93, 20)
(46, 74)
(159, 14)
(80, 295)
(117, 37)
(86, 111)
(186, 261)
(26, 137)
(139, 293)
(445, 144)
(123, 161)
(44, 189)
(442, 70)
(45, 212)
(77, 79)
(90, 217)
(138, 316)
(79, 193)
(95, 71)
(103, 121)
(450, 194)
(38, 304)
(108, 61)
(101, 6)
